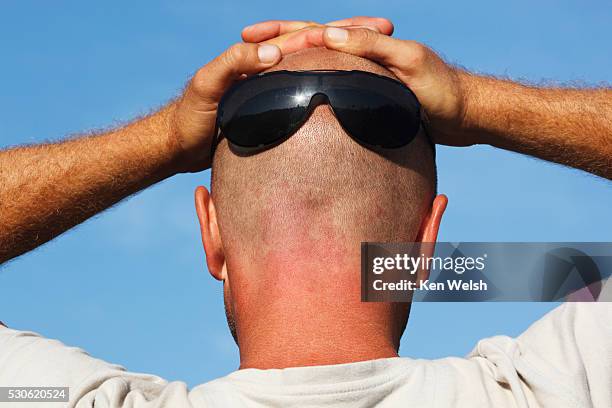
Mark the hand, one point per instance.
(291, 36)
(194, 114)
(441, 89)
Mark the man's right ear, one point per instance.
(211, 238)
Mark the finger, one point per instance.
(212, 80)
(384, 25)
(308, 37)
(269, 29)
(381, 48)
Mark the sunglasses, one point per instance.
(264, 110)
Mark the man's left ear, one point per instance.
(211, 238)
(428, 234)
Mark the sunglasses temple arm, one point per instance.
(213, 145)
(424, 125)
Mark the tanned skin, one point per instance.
(47, 189)
(562, 125)
(567, 126)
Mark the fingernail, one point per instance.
(268, 53)
(337, 35)
(248, 27)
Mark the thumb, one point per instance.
(213, 79)
(385, 50)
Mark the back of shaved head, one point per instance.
(320, 184)
(291, 220)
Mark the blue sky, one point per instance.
(131, 285)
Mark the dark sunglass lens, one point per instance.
(263, 118)
(375, 118)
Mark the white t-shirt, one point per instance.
(563, 360)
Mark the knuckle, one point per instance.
(416, 54)
(367, 40)
(198, 81)
(368, 36)
(309, 28)
(235, 54)
(309, 25)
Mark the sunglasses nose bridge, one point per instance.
(317, 99)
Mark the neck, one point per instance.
(306, 313)
(282, 347)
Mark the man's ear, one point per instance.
(207, 215)
(428, 234)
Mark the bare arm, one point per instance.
(47, 189)
(567, 126)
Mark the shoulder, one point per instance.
(559, 358)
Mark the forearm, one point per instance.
(567, 126)
(47, 189)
